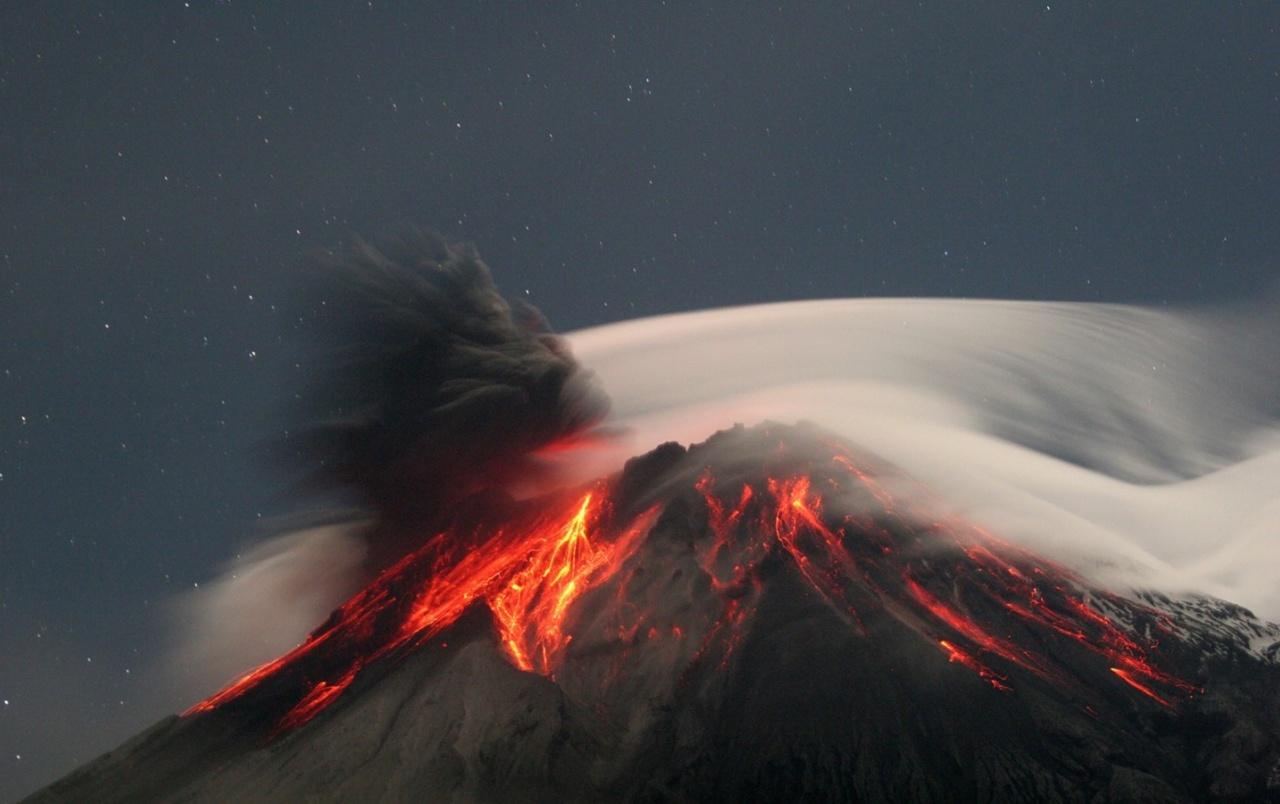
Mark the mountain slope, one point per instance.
(766, 616)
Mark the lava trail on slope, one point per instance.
(568, 579)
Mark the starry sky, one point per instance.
(164, 165)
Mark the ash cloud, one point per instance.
(434, 386)
(430, 388)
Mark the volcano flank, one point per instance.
(769, 615)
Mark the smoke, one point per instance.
(1141, 446)
(432, 386)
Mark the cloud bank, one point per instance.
(263, 603)
(1141, 446)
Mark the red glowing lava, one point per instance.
(1000, 612)
(985, 673)
(876, 550)
(532, 607)
(529, 576)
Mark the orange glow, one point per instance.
(530, 578)
(320, 696)
(992, 608)
(985, 673)
(1128, 678)
(531, 610)
(975, 633)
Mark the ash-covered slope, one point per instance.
(765, 616)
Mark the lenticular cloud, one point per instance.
(1140, 445)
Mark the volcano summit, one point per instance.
(769, 615)
(774, 614)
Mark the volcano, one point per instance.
(769, 615)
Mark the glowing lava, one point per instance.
(1002, 613)
(529, 574)
(532, 608)
(933, 577)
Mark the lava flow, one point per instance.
(999, 611)
(529, 573)
(952, 581)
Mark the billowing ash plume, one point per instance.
(436, 386)
(431, 388)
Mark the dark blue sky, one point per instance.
(164, 165)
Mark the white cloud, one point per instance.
(262, 605)
(1134, 443)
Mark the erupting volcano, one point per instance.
(773, 614)
(769, 612)
(838, 528)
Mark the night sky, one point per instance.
(163, 167)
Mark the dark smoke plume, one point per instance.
(434, 387)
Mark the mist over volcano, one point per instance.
(864, 550)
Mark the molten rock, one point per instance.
(769, 615)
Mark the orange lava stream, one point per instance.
(533, 576)
(956, 654)
(530, 580)
(799, 513)
(1128, 678)
(531, 609)
(975, 633)
(1038, 593)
